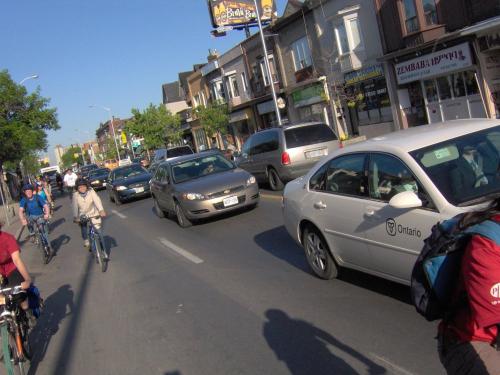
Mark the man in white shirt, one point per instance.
(69, 181)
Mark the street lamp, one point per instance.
(34, 76)
(112, 126)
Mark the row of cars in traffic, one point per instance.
(368, 206)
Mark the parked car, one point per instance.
(200, 186)
(98, 178)
(125, 183)
(370, 206)
(170, 153)
(279, 155)
(85, 170)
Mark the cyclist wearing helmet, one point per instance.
(33, 207)
(87, 202)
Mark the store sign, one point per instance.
(310, 95)
(434, 64)
(357, 76)
(239, 12)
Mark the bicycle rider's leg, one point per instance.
(85, 235)
(97, 222)
(14, 279)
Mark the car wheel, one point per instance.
(117, 200)
(182, 220)
(274, 180)
(111, 199)
(158, 211)
(318, 254)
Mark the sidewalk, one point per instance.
(15, 228)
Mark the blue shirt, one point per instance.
(33, 207)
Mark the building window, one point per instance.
(444, 88)
(218, 90)
(348, 35)
(244, 82)
(263, 70)
(411, 20)
(301, 54)
(370, 101)
(430, 12)
(232, 87)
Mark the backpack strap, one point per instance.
(488, 228)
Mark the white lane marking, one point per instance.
(119, 214)
(392, 365)
(179, 250)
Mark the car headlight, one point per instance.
(121, 188)
(95, 182)
(251, 180)
(193, 196)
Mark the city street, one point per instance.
(231, 296)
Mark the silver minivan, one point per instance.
(279, 155)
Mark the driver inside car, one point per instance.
(468, 172)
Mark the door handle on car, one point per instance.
(319, 205)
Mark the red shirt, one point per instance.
(8, 246)
(481, 281)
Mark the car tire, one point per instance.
(274, 180)
(111, 199)
(117, 200)
(158, 211)
(318, 254)
(182, 220)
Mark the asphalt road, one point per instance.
(230, 296)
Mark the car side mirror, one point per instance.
(406, 199)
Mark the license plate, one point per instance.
(231, 201)
(139, 190)
(316, 153)
(2, 299)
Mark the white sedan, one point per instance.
(370, 206)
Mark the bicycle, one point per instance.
(97, 246)
(41, 239)
(14, 331)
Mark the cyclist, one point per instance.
(87, 202)
(43, 192)
(33, 207)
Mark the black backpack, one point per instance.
(437, 269)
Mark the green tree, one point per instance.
(110, 152)
(24, 121)
(73, 155)
(157, 125)
(214, 118)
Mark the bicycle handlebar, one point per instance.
(12, 290)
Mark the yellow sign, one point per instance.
(124, 138)
(239, 12)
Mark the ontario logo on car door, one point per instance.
(395, 236)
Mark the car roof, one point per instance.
(127, 166)
(183, 158)
(411, 139)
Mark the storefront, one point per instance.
(368, 101)
(310, 103)
(439, 86)
(241, 126)
(267, 114)
(489, 47)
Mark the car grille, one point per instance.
(220, 205)
(226, 192)
(197, 212)
(138, 185)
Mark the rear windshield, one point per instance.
(308, 135)
(179, 151)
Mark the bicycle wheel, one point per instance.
(13, 358)
(25, 337)
(101, 256)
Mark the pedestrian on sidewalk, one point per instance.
(469, 341)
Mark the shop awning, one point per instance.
(238, 116)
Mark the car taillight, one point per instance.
(285, 158)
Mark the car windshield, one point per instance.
(178, 151)
(99, 172)
(464, 169)
(132, 171)
(200, 167)
(308, 135)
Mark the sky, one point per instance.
(112, 53)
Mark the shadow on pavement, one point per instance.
(57, 208)
(376, 284)
(56, 309)
(55, 224)
(59, 242)
(176, 372)
(110, 243)
(278, 242)
(307, 349)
